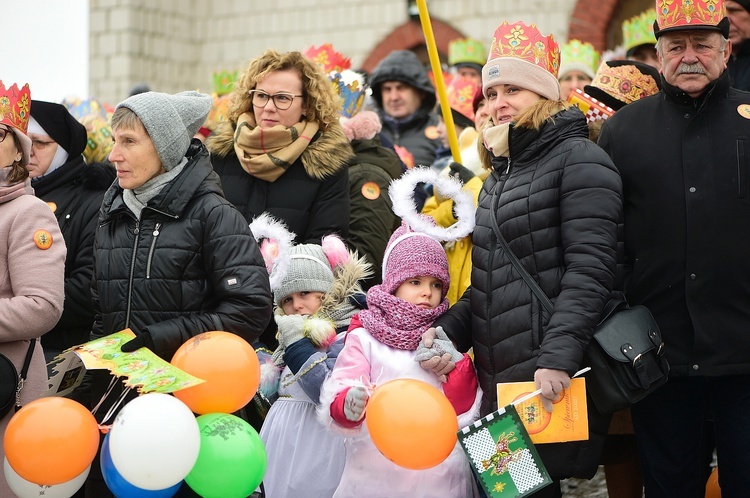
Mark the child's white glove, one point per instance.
(355, 403)
(291, 329)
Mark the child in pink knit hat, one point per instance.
(381, 345)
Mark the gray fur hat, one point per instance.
(170, 120)
(309, 271)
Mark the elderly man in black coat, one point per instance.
(684, 157)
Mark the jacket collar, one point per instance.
(715, 88)
(527, 145)
(198, 177)
(68, 173)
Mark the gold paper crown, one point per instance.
(639, 30)
(466, 50)
(578, 55)
(624, 83)
(525, 42)
(15, 105)
(327, 58)
(681, 14)
(224, 82)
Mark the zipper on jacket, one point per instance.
(137, 232)
(151, 250)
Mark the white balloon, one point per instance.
(25, 489)
(154, 441)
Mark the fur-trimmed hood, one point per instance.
(328, 152)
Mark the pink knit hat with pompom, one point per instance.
(412, 254)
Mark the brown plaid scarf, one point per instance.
(266, 154)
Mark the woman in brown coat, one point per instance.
(32, 256)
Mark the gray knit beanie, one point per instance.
(170, 120)
(309, 271)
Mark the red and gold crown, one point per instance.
(15, 106)
(624, 82)
(673, 15)
(525, 42)
(327, 58)
(461, 93)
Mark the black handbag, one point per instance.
(626, 353)
(12, 383)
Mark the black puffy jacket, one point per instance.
(556, 202)
(190, 264)
(74, 192)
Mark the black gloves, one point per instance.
(461, 172)
(142, 340)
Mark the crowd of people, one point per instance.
(619, 174)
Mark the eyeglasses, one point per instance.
(282, 101)
(41, 144)
(4, 132)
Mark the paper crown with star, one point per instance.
(639, 30)
(15, 106)
(679, 15)
(578, 56)
(466, 51)
(223, 81)
(328, 58)
(521, 55)
(461, 93)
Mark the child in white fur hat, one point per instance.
(383, 344)
(315, 292)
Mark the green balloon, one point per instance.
(232, 459)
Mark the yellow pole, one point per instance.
(437, 71)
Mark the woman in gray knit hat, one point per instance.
(172, 257)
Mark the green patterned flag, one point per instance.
(503, 456)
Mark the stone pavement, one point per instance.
(581, 488)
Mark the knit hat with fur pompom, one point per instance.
(309, 271)
(412, 254)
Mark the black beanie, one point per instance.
(744, 3)
(61, 126)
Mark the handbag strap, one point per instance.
(27, 360)
(24, 372)
(609, 308)
(546, 302)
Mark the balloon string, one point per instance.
(106, 393)
(116, 404)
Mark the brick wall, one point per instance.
(176, 45)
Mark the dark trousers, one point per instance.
(669, 427)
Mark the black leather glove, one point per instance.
(461, 172)
(142, 340)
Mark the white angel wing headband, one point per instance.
(401, 192)
(267, 227)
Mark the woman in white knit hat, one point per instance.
(555, 197)
(172, 257)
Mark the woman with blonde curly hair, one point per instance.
(282, 149)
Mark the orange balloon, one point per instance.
(229, 366)
(712, 485)
(51, 440)
(412, 423)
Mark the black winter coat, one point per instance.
(685, 166)
(557, 202)
(190, 264)
(74, 191)
(372, 220)
(311, 197)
